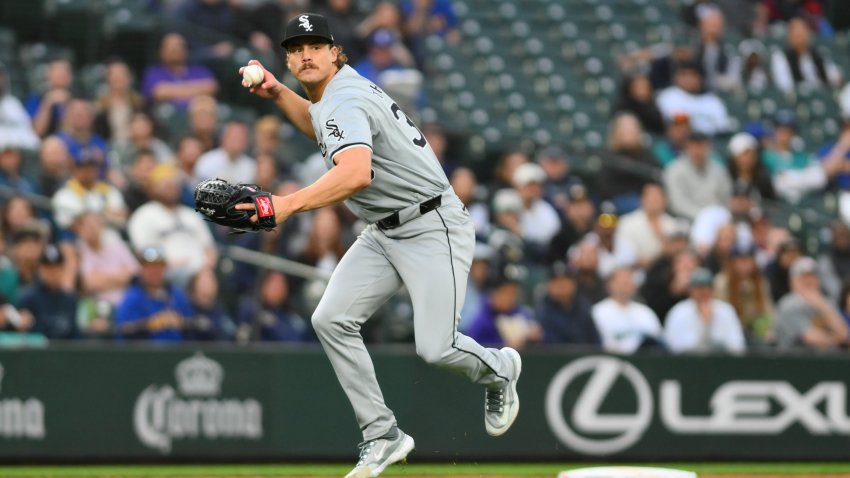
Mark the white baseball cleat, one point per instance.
(377, 454)
(501, 405)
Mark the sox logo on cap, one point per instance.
(305, 23)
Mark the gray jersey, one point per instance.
(355, 112)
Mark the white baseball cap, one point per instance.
(803, 265)
(507, 200)
(742, 142)
(528, 173)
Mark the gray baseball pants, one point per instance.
(430, 255)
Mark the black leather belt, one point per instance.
(392, 221)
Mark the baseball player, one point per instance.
(419, 235)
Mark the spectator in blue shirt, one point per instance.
(270, 317)
(78, 134)
(53, 309)
(424, 18)
(10, 171)
(152, 309)
(46, 110)
(385, 53)
(211, 321)
(565, 315)
(174, 80)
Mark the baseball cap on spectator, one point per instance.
(742, 142)
(509, 274)
(701, 277)
(31, 230)
(562, 269)
(86, 157)
(789, 245)
(307, 25)
(507, 200)
(680, 119)
(607, 221)
(151, 255)
(785, 118)
(577, 192)
(758, 129)
(51, 256)
(162, 172)
(697, 135)
(689, 66)
(528, 173)
(22, 235)
(803, 265)
(743, 250)
(752, 46)
(680, 230)
(552, 153)
(482, 252)
(382, 38)
(757, 215)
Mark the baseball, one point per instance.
(252, 75)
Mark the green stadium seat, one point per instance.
(132, 35)
(26, 17)
(75, 24)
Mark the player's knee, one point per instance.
(322, 321)
(435, 356)
(325, 321)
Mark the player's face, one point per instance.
(311, 60)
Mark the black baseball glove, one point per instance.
(216, 199)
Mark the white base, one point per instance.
(626, 472)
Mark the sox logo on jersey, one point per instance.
(305, 23)
(333, 128)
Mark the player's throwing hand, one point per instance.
(269, 88)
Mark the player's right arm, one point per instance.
(353, 172)
(290, 103)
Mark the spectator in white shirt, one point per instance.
(693, 181)
(646, 227)
(85, 192)
(623, 324)
(176, 229)
(229, 162)
(706, 111)
(737, 210)
(611, 252)
(702, 323)
(538, 219)
(15, 127)
(800, 64)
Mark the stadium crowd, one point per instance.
(668, 248)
